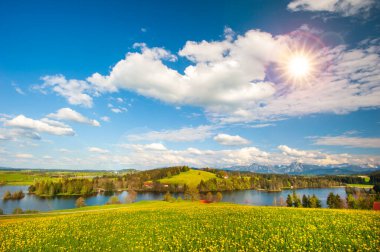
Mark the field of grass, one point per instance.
(29, 177)
(360, 185)
(191, 178)
(187, 226)
(20, 178)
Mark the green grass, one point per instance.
(191, 178)
(29, 177)
(187, 226)
(360, 185)
(20, 178)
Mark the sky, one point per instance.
(145, 84)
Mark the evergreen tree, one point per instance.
(289, 201)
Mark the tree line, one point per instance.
(149, 181)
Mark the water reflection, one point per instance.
(247, 197)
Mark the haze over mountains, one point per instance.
(298, 168)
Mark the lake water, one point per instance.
(247, 197)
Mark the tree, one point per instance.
(334, 201)
(192, 194)
(314, 202)
(305, 201)
(351, 202)
(296, 200)
(131, 197)
(80, 202)
(1, 211)
(167, 196)
(282, 201)
(209, 196)
(7, 195)
(113, 200)
(17, 210)
(219, 196)
(289, 201)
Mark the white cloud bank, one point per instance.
(68, 114)
(342, 7)
(229, 78)
(98, 150)
(40, 126)
(348, 141)
(225, 139)
(153, 155)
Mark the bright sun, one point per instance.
(299, 66)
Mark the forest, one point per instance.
(149, 181)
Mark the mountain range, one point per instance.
(297, 168)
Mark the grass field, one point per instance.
(28, 177)
(191, 178)
(187, 226)
(360, 185)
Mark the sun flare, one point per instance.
(299, 66)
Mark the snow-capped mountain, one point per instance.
(298, 168)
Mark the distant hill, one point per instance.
(191, 178)
(297, 168)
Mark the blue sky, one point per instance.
(125, 84)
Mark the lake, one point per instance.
(247, 197)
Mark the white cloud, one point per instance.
(262, 125)
(187, 134)
(236, 140)
(116, 110)
(299, 153)
(342, 7)
(145, 147)
(229, 78)
(321, 158)
(53, 128)
(12, 134)
(24, 155)
(19, 90)
(348, 141)
(98, 150)
(76, 92)
(72, 115)
(105, 119)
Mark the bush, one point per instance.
(17, 210)
(80, 202)
(113, 200)
(168, 197)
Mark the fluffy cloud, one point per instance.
(300, 153)
(24, 155)
(98, 150)
(72, 115)
(186, 134)
(236, 140)
(342, 7)
(321, 158)
(75, 91)
(145, 147)
(15, 134)
(348, 141)
(237, 78)
(49, 127)
(105, 119)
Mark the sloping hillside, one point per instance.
(191, 178)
